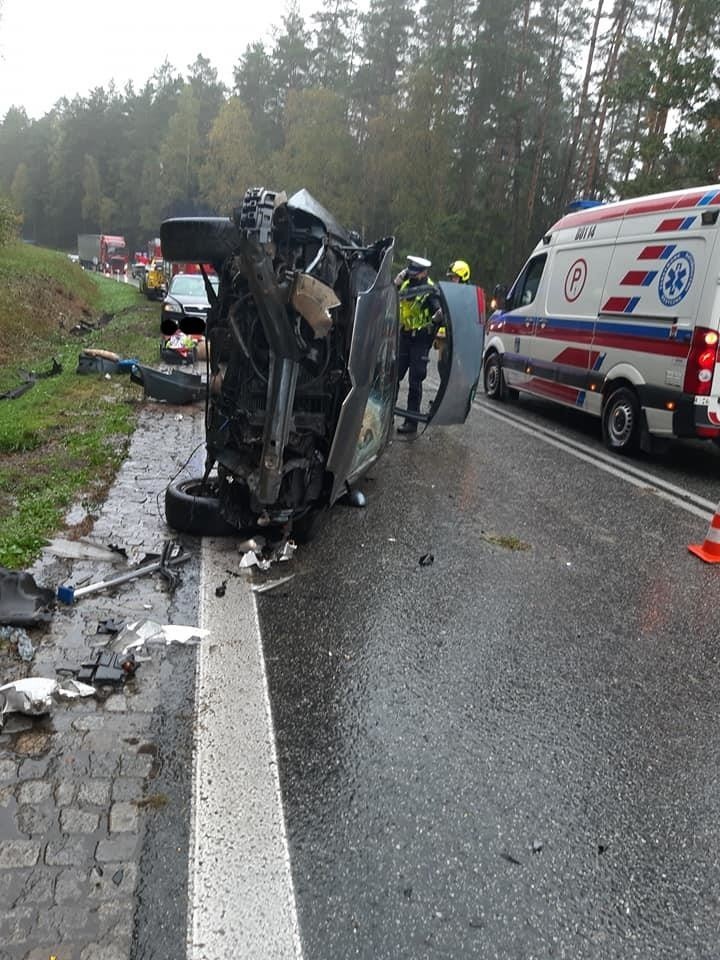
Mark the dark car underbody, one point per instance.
(302, 346)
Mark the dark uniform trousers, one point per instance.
(415, 348)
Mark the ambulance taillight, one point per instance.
(701, 362)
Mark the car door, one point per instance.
(459, 366)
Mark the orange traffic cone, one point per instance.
(709, 551)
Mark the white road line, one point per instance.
(698, 506)
(241, 900)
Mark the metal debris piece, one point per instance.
(83, 549)
(264, 557)
(34, 696)
(426, 560)
(251, 559)
(70, 689)
(22, 602)
(288, 550)
(139, 634)
(271, 585)
(172, 555)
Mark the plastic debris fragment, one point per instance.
(22, 602)
(34, 696)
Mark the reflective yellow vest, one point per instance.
(415, 314)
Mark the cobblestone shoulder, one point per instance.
(94, 798)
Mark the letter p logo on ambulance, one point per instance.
(575, 280)
(676, 278)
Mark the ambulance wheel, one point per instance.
(493, 379)
(621, 421)
(193, 507)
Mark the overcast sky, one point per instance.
(51, 49)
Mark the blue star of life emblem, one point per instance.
(676, 279)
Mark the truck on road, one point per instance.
(102, 252)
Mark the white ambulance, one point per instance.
(617, 313)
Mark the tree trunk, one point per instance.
(569, 177)
(518, 130)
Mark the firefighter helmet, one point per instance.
(459, 269)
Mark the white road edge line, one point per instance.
(698, 506)
(241, 900)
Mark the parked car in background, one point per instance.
(186, 304)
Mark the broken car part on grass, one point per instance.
(29, 379)
(103, 361)
(173, 387)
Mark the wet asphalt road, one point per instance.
(511, 752)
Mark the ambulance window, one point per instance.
(531, 281)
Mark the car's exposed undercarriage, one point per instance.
(280, 333)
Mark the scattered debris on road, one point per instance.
(137, 636)
(34, 696)
(22, 602)
(263, 556)
(172, 555)
(271, 585)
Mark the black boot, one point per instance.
(410, 426)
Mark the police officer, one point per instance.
(419, 317)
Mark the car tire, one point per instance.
(621, 421)
(193, 507)
(493, 380)
(199, 239)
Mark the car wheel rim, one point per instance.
(621, 424)
(492, 378)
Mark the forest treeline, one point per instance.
(463, 128)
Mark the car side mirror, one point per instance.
(499, 297)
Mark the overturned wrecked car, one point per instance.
(302, 347)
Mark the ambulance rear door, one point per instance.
(655, 297)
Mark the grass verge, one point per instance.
(63, 440)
